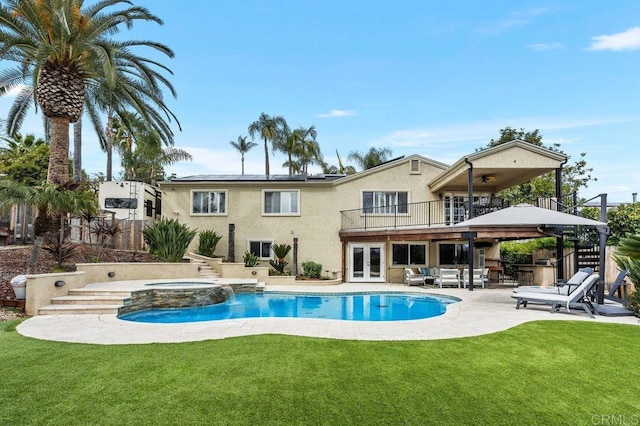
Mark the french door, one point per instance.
(366, 262)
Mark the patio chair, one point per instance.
(563, 288)
(448, 277)
(478, 279)
(411, 278)
(579, 297)
(619, 286)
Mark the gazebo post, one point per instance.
(560, 239)
(470, 235)
(603, 234)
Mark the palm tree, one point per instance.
(140, 148)
(340, 169)
(242, 146)
(63, 48)
(268, 129)
(372, 158)
(308, 150)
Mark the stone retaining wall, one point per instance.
(162, 298)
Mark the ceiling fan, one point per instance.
(485, 179)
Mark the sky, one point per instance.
(438, 78)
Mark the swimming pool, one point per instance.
(351, 307)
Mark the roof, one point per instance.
(528, 215)
(257, 178)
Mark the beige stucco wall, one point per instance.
(515, 157)
(318, 223)
(41, 288)
(99, 272)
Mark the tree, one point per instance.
(574, 176)
(24, 159)
(268, 129)
(301, 149)
(242, 145)
(64, 49)
(340, 169)
(375, 156)
(140, 147)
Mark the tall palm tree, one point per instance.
(371, 158)
(62, 48)
(307, 150)
(242, 145)
(339, 169)
(268, 129)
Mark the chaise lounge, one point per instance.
(563, 288)
(578, 297)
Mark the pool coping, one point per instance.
(479, 312)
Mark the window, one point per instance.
(262, 249)
(209, 202)
(409, 254)
(120, 203)
(281, 202)
(384, 202)
(453, 254)
(456, 207)
(415, 166)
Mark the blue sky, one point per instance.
(436, 78)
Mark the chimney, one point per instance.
(634, 196)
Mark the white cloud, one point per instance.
(479, 133)
(545, 46)
(626, 40)
(14, 91)
(336, 113)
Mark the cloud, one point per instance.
(15, 90)
(336, 113)
(479, 133)
(545, 46)
(514, 20)
(626, 40)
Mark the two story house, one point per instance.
(367, 226)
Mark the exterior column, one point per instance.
(559, 240)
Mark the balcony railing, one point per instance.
(440, 212)
(426, 213)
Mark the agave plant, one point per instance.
(207, 242)
(168, 239)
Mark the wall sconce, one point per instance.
(440, 195)
(59, 283)
(111, 274)
(176, 212)
(254, 272)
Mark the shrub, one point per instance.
(168, 239)
(312, 269)
(628, 257)
(250, 259)
(207, 242)
(280, 251)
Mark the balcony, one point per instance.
(434, 213)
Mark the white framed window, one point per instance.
(260, 248)
(281, 202)
(209, 202)
(385, 202)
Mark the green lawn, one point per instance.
(546, 372)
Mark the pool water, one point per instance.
(352, 307)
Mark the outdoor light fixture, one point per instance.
(111, 274)
(59, 283)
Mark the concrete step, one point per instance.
(93, 292)
(78, 309)
(88, 300)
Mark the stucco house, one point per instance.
(367, 226)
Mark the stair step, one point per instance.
(78, 309)
(88, 300)
(93, 292)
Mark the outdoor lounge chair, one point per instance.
(619, 286)
(448, 277)
(479, 277)
(578, 297)
(411, 278)
(563, 288)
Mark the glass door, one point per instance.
(366, 262)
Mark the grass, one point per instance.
(546, 372)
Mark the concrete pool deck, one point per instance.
(481, 311)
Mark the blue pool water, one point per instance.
(353, 307)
